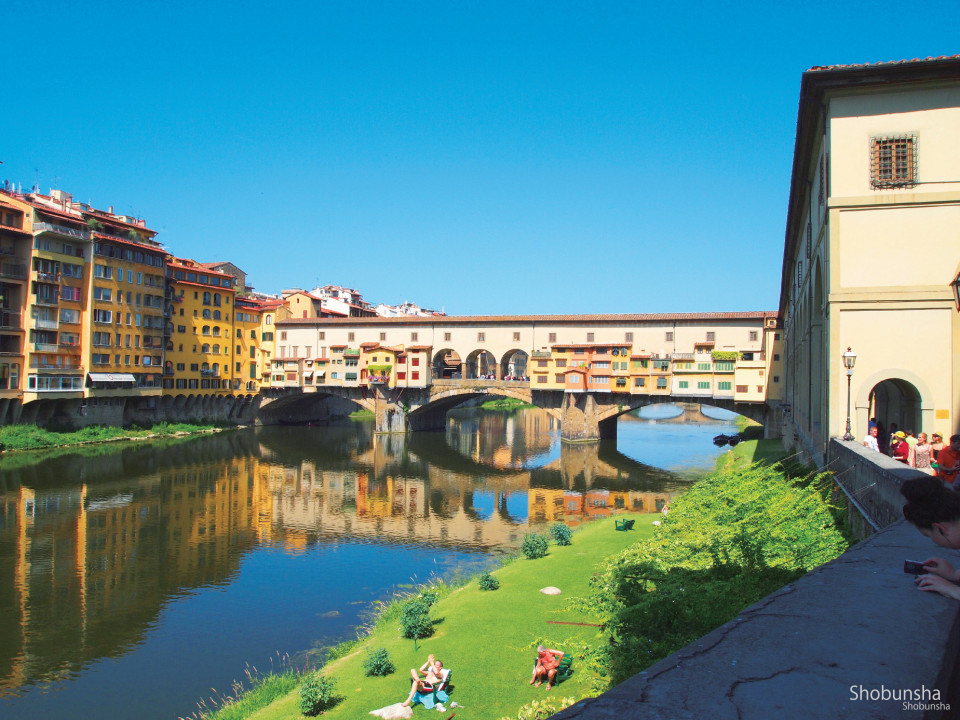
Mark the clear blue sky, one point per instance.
(484, 157)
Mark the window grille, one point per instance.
(893, 161)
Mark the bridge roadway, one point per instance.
(583, 416)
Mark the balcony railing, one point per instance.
(45, 347)
(210, 373)
(43, 227)
(45, 324)
(13, 271)
(50, 301)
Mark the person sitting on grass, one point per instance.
(432, 671)
(546, 668)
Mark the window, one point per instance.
(639, 382)
(776, 378)
(481, 337)
(589, 337)
(101, 293)
(446, 337)
(703, 367)
(558, 378)
(724, 386)
(552, 337)
(561, 362)
(516, 337)
(414, 375)
(628, 337)
(413, 337)
(711, 336)
(661, 383)
(893, 162)
(383, 336)
(669, 337)
(350, 337)
(741, 388)
(753, 336)
(541, 363)
(703, 385)
(683, 384)
(776, 357)
(415, 361)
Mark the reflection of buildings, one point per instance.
(573, 507)
(84, 571)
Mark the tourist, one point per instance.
(935, 512)
(893, 432)
(912, 444)
(922, 455)
(433, 677)
(546, 668)
(870, 441)
(936, 445)
(899, 450)
(948, 462)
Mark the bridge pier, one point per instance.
(581, 419)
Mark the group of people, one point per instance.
(432, 677)
(932, 456)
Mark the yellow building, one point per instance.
(200, 352)
(248, 356)
(15, 249)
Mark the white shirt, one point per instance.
(871, 442)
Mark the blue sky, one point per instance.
(483, 157)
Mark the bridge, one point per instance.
(587, 416)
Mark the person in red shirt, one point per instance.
(899, 449)
(948, 462)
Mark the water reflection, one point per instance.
(94, 548)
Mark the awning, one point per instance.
(112, 377)
(308, 374)
(321, 373)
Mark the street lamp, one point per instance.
(849, 358)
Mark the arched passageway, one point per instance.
(514, 364)
(446, 365)
(896, 402)
(481, 363)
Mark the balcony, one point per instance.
(46, 347)
(13, 271)
(47, 301)
(45, 324)
(48, 227)
(48, 277)
(210, 373)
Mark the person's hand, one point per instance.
(939, 566)
(430, 659)
(938, 584)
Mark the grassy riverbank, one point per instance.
(32, 437)
(736, 536)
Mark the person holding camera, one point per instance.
(934, 511)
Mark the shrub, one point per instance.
(488, 582)
(540, 709)
(534, 545)
(378, 663)
(317, 694)
(415, 619)
(560, 533)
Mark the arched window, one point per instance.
(216, 349)
(206, 313)
(205, 367)
(206, 298)
(206, 330)
(216, 314)
(216, 299)
(205, 348)
(216, 331)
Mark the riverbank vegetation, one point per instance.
(505, 404)
(33, 437)
(628, 599)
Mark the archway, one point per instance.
(514, 364)
(446, 364)
(481, 363)
(896, 401)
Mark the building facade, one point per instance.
(872, 246)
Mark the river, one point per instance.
(133, 581)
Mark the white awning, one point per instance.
(112, 377)
(321, 373)
(308, 374)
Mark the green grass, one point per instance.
(32, 437)
(488, 639)
(505, 403)
(362, 414)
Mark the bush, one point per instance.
(415, 619)
(488, 582)
(560, 533)
(317, 694)
(534, 545)
(540, 709)
(378, 663)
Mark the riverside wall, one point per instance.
(845, 640)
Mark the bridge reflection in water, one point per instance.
(94, 547)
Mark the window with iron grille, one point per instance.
(893, 161)
(821, 185)
(809, 239)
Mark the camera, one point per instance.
(914, 567)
